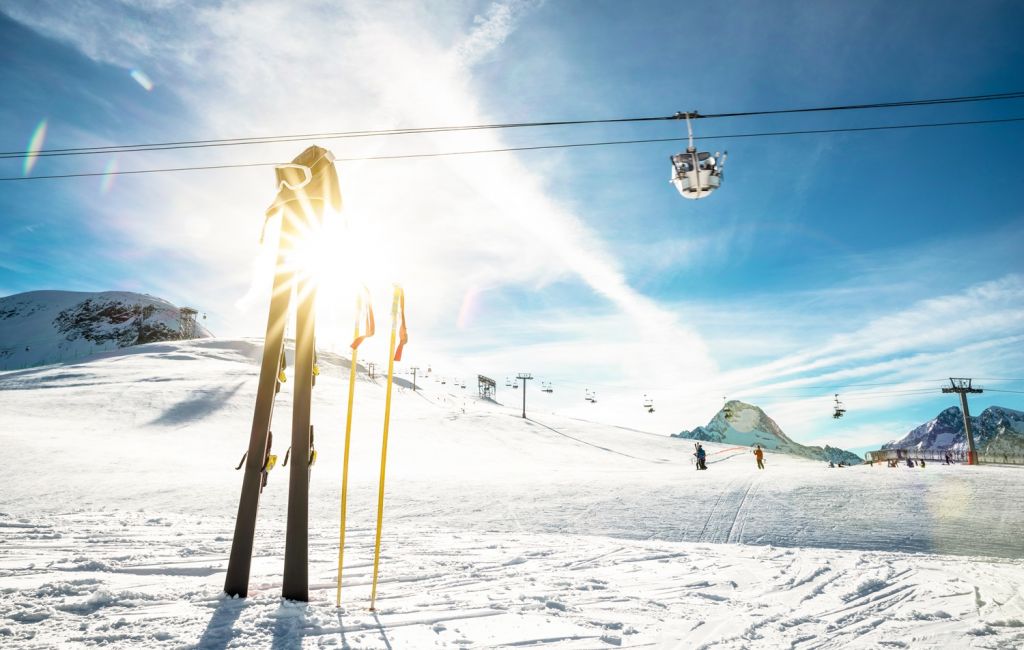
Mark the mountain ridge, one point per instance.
(996, 430)
(49, 326)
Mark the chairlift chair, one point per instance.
(696, 174)
(839, 410)
(508, 382)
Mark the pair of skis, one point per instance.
(259, 456)
(307, 186)
(394, 354)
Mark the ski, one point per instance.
(236, 583)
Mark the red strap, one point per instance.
(403, 335)
(367, 309)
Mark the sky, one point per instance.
(872, 265)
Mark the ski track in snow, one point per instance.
(116, 523)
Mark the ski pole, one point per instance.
(356, 340)
(393, 355)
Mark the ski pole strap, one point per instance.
(403, 335)
(364, 310)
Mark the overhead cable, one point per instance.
(334, 135)
(441, 154)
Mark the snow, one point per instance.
(118, 500)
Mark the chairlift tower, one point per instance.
(187, 323)
(525, 376)
(962, 386)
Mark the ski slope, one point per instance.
(119, 494)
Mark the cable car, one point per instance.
(839, 410)
(696, 174)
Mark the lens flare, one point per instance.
(35, 143)
(470, 303)
(109, 173)
(142, 78)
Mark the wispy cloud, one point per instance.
(444, 227)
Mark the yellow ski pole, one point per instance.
(392, 355)
(348, 440)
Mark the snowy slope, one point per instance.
(744, 424)
(997, 430)
(119, 496)
(41, 327)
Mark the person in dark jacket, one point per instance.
(701, 457)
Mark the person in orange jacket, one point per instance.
(759, 455)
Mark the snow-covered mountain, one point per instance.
(39, 327)
(739, 423)
(997, 430)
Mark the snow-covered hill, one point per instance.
(744, 424)
(997, 430)
(39, 327)
(119, 494)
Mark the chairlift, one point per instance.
(508, 382)
(839, 410)
(593, 398)
(462, 385)
(545, 387)
(648, 404)
(696, 174)
(515, 384)
(727, 410)
(587, 396)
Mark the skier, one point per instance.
(759, 455)
(701, 456)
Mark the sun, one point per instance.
(338, 258)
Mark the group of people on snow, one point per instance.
(702, 456)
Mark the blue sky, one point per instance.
(824, 262)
